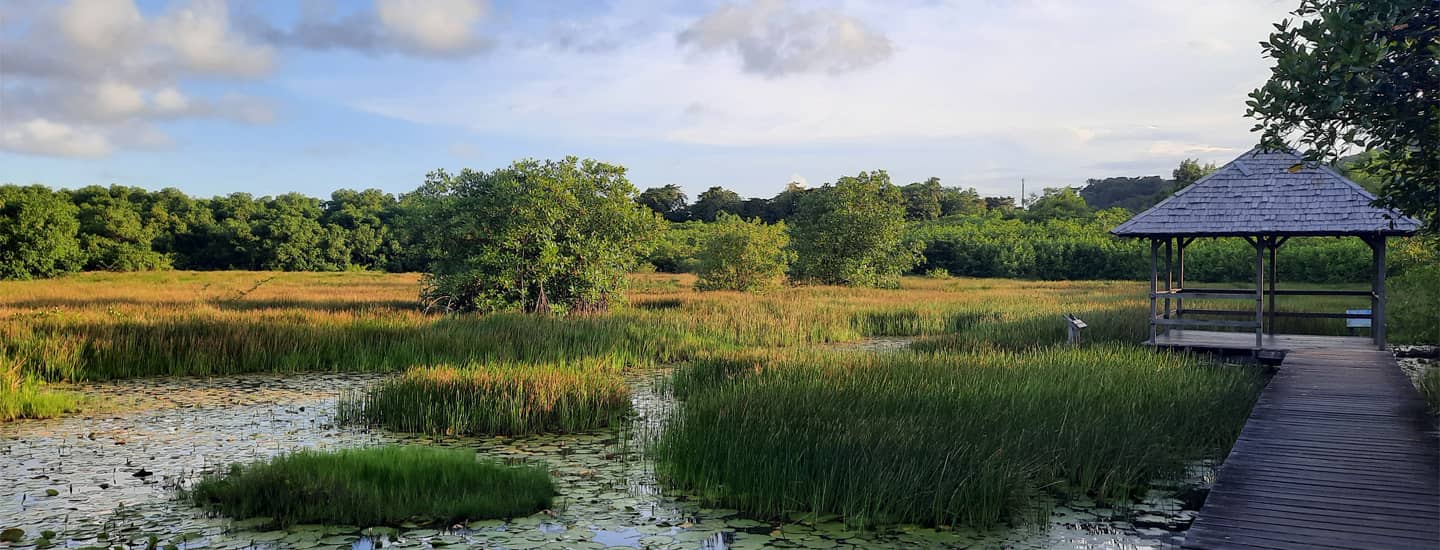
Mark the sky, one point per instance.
(274, 96)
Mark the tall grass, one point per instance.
(1430, 388)
(100, 326)
(494, 399)
(949, 438)
(24, 395)
(375, 486)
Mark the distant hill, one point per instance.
(1133, 194)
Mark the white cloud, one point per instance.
(774, 38)
(200, 33)
(986, 91)
(91, 76)
(170, 101)
(436, 26)
(117, 99)
(43, 137)
(102, 25)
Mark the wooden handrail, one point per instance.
(1291, 314)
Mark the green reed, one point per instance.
(944, 438)
(376, 486)
(494, 399)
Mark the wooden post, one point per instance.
(1270, 323)
(1154, 283)
(1169, 275)
(1377, 292)
(1259, 244)
(1180, 279)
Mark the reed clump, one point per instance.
(954, 438)
(494, 399)
(376, 486)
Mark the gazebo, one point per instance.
(1264, 197)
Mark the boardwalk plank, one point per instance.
(1339, 452)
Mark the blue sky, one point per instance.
(275, 96)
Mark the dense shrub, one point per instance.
(991, 246)
(676, 248)
(852, 233)
(743, 255)
(37, 233)
(538, 237)
(1415, 306)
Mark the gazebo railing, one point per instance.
(1171, 289)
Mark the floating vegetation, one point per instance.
(376, 486)
(494, 399)
(607, 492)
(945, 438)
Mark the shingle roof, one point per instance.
(1258, 194)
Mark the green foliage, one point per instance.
(494, 399)
(668, 201)
(1132, 194)
(1057, 204)
(1414, 307)
(376, 486)
(37, 233)
(922, 200)
(745, 255)
(113, 233)
(852, 233)
(676, 249)
(971, 438)
(715, 201)
(538, 236)
(1190, 171)
(989, 246)
(1360, 74)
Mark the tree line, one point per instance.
(560, 235)
(45, 232)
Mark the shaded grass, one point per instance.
(494, 399)
(375, 486)
(1430, 388)
(944, 438)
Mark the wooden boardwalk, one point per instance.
(1339, 452)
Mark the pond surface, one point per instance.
(109, 480)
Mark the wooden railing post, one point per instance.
(1377, 292)
(1169, 275)
(1259, 244)
(1154, 282)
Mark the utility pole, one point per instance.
(1022, 193)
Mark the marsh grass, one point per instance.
(102, 326)
(947, 438)
(1430, 388)
(24, 395)
(494, 399)
(375, 486)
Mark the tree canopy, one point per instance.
(537, 236)
(37, 233)
(740, 254)
(852, 233)
(668, 201)
(1360, 75)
